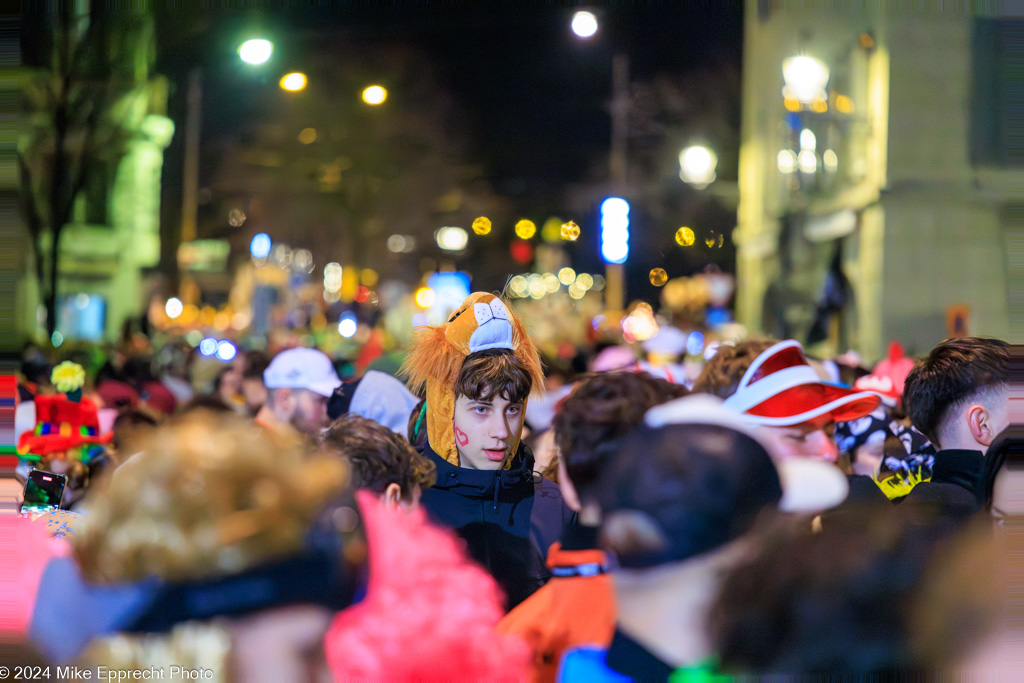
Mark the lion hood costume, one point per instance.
(482, 322)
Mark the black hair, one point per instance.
(956, 371)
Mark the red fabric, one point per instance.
(802, 399)
(159, 398)
(565, 613)
(780, 360)
(116, 394)
(429, 613)
(57, 410)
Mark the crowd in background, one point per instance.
(484, 513)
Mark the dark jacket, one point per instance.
(955, 492)
(491, 510)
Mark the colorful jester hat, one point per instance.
(482, 322)
(64, 421)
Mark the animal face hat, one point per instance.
(482, 322)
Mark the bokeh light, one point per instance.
(584, 24)
(570, 231)
(585, 281)
(658, 277)
(425, 297)
(519, 286)
(208, 346)
(226, 350)
(375, 95)
(525, 229)
(260, 245)
(173, 307)
(451, 238)
(567, 276)
(482, 225)
(684, 236)
(307, 136)
(293, 82)
(255, 51)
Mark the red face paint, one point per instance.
(461, 437)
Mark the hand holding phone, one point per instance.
(43, 491)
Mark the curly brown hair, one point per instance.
(601, 409)
(378, 456)
(723, 372)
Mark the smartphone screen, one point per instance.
(43, 491)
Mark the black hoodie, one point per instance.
(491, 510)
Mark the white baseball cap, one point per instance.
(302, 369)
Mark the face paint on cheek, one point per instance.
(461, 437)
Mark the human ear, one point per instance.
(392, 494)
(979, 421)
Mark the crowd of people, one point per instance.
(775, 514)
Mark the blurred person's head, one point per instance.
(380, 460)
(477, 370)
(688, 480)
(592, 421)
(863, 595)
(1003, 479)
(253, 390)
(959, 395)
(206, 402)
(299, 382)
(774, 387)
(131, 427)
(377, 396)
(208, 495)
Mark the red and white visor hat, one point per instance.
(781, 389)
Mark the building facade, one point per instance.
(877, 193)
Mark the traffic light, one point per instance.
(615, 230)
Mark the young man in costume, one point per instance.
(477, 371)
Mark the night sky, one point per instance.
(531, 95)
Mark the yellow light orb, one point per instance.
(684, 237)
(482, 225)
(519, 286)
(293, 82)
(585, 281)
(721, 240)
(375, 95)
(525, 229)
(567, 276)
(551, 283)
(307, 136)
(425, 297)
(570, 231)
(658, 277)
(792, 104)
(844, 104)
(710, 241)
(368, 277)
(576, 292)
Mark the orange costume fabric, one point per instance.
(566, 613)
(482, 322)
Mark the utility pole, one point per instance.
(615, 292)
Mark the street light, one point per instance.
(255, 51)
(293, 82)
(697, 166)
(806, 78)
(375, 95)
(584, 24)
(451, 238)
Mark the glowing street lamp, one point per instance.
(375, 95)
(697, 166)
(256, 51)
(293, 82)
(451, 238)
(584, 24)
(806, 78)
